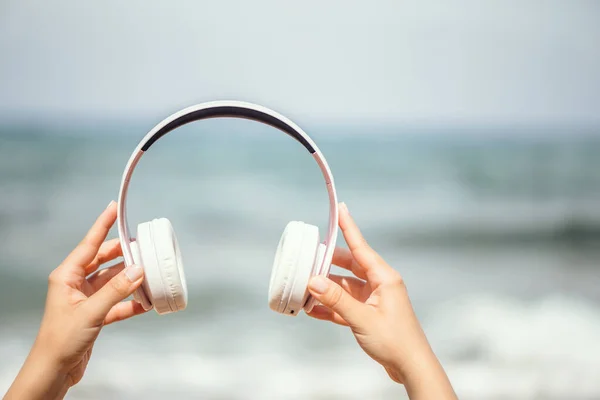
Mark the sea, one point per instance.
(496, 232)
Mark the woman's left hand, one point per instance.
(80, 301)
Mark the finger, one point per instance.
(325, 314)
(108, 251)
(343, 258)
(100, 278)
(332, 296)
(117, 289)
(123, 310)
(357, 288)
(373, 265)
(87, 249)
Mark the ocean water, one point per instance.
(497, 236)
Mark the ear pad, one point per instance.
(292, 268)
(164, 282)
(140, 293)
(311, 301)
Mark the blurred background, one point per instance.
(464, 137)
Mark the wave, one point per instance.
(492, 347)
(495, 347)
(574, 233)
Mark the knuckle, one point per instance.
(363, 242)
(395, 277)
(93, 319)
(117, 316)
(336, 296)
(395, 281)
(86, 244)
(83, 243)
(54, 277)
(119, 285)
(363, 251)
(100, 259)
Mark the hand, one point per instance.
(80, 301)
(376, 307)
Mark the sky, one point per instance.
(466, 62)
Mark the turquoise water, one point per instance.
(497, 236)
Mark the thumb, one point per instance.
(114, 291)
(332, 296)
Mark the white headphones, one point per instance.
(300, 254)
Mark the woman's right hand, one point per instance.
(376, 307)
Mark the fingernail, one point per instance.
(319, 284)
(134, 272)
(344, 208)
(110, 204)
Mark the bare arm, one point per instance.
(81, 300)
(376, 307)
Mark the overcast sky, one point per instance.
(393, 61)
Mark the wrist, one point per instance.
(48, 363)
(39, 378)
(411, 369)
(425, 378)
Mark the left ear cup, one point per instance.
(292, 268)
(164, 281)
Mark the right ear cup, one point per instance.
(164, 282)
(292, 268)
(141, 293)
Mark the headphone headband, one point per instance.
(232, 109)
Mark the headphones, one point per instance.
(300, 254)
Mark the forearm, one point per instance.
(428, 380)
(38, 379)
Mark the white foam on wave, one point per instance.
(181, 364)
(495, 348)
(492, 348)
(246, 376)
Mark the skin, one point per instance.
(375, 306)
(82, 299)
